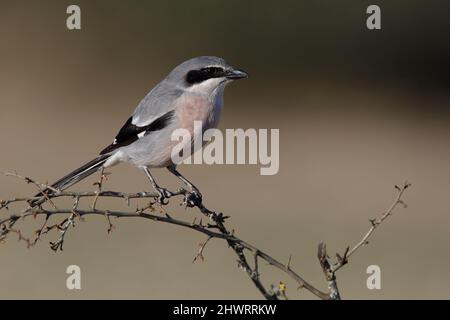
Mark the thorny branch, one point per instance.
(215, 228)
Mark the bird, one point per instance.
(192, 91)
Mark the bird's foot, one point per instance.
(163, 195)
(192, 198)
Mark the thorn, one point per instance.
(347, 250)
(343, 259)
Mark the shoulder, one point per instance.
(156, 103)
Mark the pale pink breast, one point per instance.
(195, 108)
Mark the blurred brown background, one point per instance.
(358, 112)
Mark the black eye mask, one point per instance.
(197, 76)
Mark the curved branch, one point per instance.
(214, 229)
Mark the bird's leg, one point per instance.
(192, 198)
(164, 194)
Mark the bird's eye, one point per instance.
(213, 71)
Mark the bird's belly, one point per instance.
(153, 150)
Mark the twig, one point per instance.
(99, 185)
(374, 224)
(202, 246)
(40, 186)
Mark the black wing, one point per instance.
(130, 132)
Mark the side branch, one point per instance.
(330, 268)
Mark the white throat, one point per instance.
(208, 87)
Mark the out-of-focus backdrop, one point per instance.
(358, 111)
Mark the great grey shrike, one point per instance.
(193, 91)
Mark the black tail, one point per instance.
(73, 177)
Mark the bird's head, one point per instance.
(205, 74)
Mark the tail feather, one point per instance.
(73, 177)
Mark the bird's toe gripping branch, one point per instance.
(192, 198)
(164, 195)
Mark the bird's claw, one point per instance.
(164, 195)
(192, 198)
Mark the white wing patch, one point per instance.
(140, 135)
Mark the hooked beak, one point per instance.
(236, 74)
